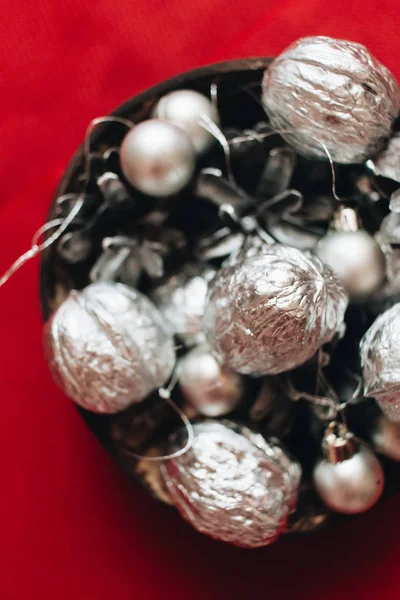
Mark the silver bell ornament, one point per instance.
(386, 438)
(207, 385)
(327, 92)
(232, 485)
(353, 254)
(270, 311)
(380, 361)
(157, 158)
(182, 299)
(349, 478)
(107, 347)
(185, 108)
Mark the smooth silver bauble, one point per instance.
(211, 388)
(182, 299)
(351, 486)
(357, 260)
(232, 484)
(333, 93)
(380, 361)
(270, 311)
(185, 108)
(157, 158)
(107, 347)
(386, 438)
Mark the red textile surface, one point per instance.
(72, 526)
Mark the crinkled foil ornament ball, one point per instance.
(380, 358)
(232, 484)
(334, 92)
(271, 311)
(107, 347)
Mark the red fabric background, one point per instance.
(72, 526)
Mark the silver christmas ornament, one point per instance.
(107, 347)
(185, 108)
(386, 438)
(181, 300)
(210, 387)
(271, 310)
(334, 92)
(232, 484)
(349, 478)
(380, 360)
(353, 255)
(157, 158)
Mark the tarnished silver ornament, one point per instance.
(334, 93)
(380, 359)
(210, 387)
(107, 347)
(181, 300)
(232, 484)
(272, 310)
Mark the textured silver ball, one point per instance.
(357, 260)
(211, 388)
(157, 158)
(233, 485)
(185, 108)
(351, 486)
(386, 438)
(107, 347)
(333, 91)
(380, 360)
(271, 311)
(182, 299)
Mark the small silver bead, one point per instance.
(157, 158)
(185, 108)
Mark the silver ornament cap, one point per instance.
(185, 108)
(380, 361)
(232, 484)
(331, 93)
(272, 310)
(107, 347)
(349, 478)
(157, 158)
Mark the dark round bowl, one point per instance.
(144, 428)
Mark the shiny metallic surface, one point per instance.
(386, 438)
(380, 360)
(351, 486)
(272, 310)
(157, 158)
(386, 164)
(232, 484)
(357, 260)
(107, 347)
(333, 91)
(181, 300)
(211, 388)
(185, 108)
